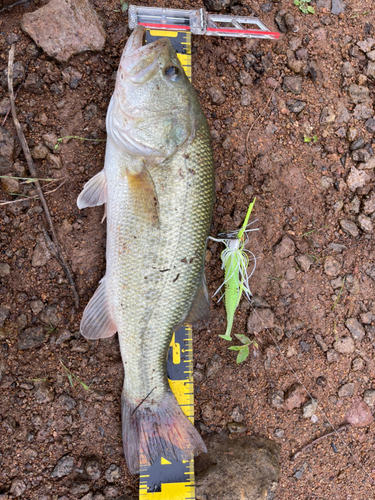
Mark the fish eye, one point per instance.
(172, 73)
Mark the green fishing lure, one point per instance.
(235, 258)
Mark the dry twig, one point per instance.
(254, 122)
(36, 197)
(54, 244)
(8, 7)
(317, 440)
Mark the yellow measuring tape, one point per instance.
(181, 41)
(166, 480)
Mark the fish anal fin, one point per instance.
(96, 320)
(94, 192)
(143, 196)
(200, 309)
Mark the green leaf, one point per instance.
(243, 354)
(235, 348)
(306, 138)
(124, 6)
(311, 9)
(316, 138)
(296, 2)
(304, 10)
(243, 339)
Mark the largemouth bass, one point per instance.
(158, 186)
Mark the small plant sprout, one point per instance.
(304, 6)
(71, 378)
(60, 140)
(124, 6)
(313, 139)
(243, 350)
(235, 262)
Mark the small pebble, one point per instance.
(359, 414)
(295, 397)
(113, 473)
(304, 262)
(344, 345)
(285, 248)
(358, 364)
(332, 266)
(332, 356)
(346, 390)
(63, 467)
(309, 408)
(349, 227)
(355, 328)
(277, 398)
(369, 397)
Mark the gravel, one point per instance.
(113, 473)
(359, 93)
(358, 364)
(355, 328)
(359, 414)
(346, 390)
(349, 227)
(332, 266)
(217, 95)
(338, 7)
(93, 470)
(4, 269)
(6, 150)
(344, 345)
(276, 398)
(63, 467)
(295, 397)
(309, 408)
(304, 262)
(285, 248)
(357, 178)
(214, 365)
(260, 319)
(18, 487)
(292, 84)
(31, 338)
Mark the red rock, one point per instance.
(359, 414)
(65, 27)
(295, 397)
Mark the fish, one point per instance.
(158, 188)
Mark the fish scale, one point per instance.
(181, 237)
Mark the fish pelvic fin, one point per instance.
(97, 322)
(200, 308)
(143, 196)
(94, 192)
(157, 430)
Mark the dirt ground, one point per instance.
(315, 223)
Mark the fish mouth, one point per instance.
(139, 59)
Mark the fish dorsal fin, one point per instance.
(143, 197)
(94, 192)
(96, 320)
(201, 306)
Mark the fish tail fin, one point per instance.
(149, 432)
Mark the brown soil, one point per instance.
(38, 423)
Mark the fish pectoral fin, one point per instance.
(94, 192)
(96, 320)
(143, 196)
(201, 306)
